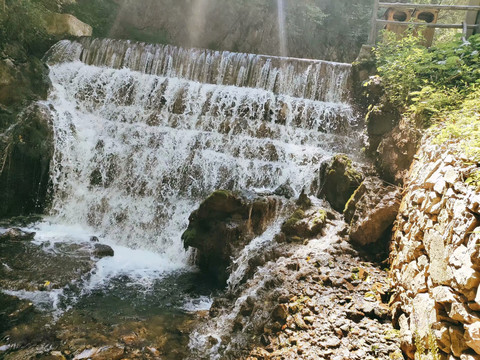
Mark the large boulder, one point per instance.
(380, 120)
(396, 151)
(67, 25)
(223, 224)
(26, 150)
(339, 179)
(372, 210)
(23, 79)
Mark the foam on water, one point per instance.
(143, 133)
(45, 300)
(304, 78)
(135, 153)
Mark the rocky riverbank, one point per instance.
(318, 299)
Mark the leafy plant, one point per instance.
(437, 87)
(426, 350)
(23, 22)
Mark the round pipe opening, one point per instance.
(426, 16)
(400, 15)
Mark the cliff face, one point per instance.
(313, 29)
(435, 255)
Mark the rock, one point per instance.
(27, 149)
(440, 272)
(304, 224)
(457, 340)
(396, 151)
(223, 224)
(371, 210)
(339, 180)
(423, 315)
(472, 336)
(298, 319)
(16, 234)
(469, 357)
(443, 294)
(94, 239)
(441, 333)
(67, 25)
(285, 190)
(280, 313)
(381, 119)
(304, 201)
(102, 250)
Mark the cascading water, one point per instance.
(135, 152)
(143, 133)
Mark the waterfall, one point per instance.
(303, 78)
(144, 132)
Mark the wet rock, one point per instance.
(285, 190)
(371, 210)
(102, 250)
(339, 179)
(304, 201)
(304, 224)
(15, 234)
(223, 224)
(26, 149)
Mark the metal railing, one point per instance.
(376, 21)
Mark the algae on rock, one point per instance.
(339, 179)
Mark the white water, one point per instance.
(136, 152)
(304, 78)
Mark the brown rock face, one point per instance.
(340, 180)
(434, 255)
(396, 151)
(67, 25)
(371, 210)
(223, 224)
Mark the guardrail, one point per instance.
(376, 21)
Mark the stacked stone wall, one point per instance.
(435, 256)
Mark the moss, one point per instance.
(288, 226)
(296, 239)
(320, 217)
(318, 223)
(189, 236)
(299, 214)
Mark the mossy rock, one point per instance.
(301, 225)
(223, 224)
(381, 119)
(220, 203)
(339, 179)
(26, 149)
(319, 221)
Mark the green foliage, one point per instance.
(439, 86)
(23, 21)
(426, 350)
(99, 14)
(407, 67)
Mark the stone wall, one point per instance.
(435, 256)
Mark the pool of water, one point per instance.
(56, 296)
